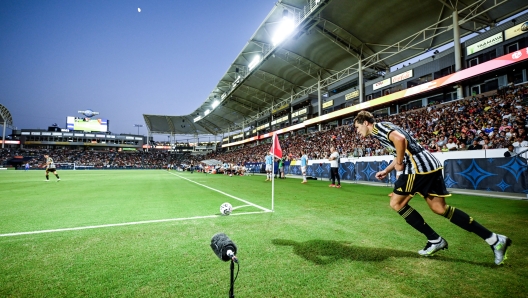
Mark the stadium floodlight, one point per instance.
(215, 104)
(286, 27)
(254, 62)
(138, 126)
(197, 118)
(207, 112)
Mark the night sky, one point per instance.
(59, 57)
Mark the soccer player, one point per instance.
(304, 164)
(334, 168)
(269, 164)
(418, 171)
(50, 167)
(226, 168)
(27, 166)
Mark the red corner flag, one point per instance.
(275, 148)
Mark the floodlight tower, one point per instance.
(138, 126)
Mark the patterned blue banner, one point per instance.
(366, 171)
(492, 174)
(347, 171)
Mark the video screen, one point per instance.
(87, 124)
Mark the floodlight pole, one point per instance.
(3, 134)
(138, 126)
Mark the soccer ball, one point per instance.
(226, 208)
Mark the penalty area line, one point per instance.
(125, 224)
(224, 193)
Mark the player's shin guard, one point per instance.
(466, 222)
(413, 218)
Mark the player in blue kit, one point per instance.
(304, 164)
(269, 165)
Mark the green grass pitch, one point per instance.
(146, 233)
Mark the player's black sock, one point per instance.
(47, 177)
(413, 218)
(466, 222)
(57, 176)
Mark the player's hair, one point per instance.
(364, 116)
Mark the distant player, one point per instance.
(269, 164)
(26, 167)
(419, 172)
(50, 167)
(304, 164)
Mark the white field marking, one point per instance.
(240, 206)
(124, 224)
(226, 194)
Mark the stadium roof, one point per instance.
(5, 117)
(331, 37)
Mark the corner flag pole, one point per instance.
(275, 151)
(273, 183)
(273, 173)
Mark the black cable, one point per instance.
(238, 269)
(231, 289)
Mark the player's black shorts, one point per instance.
(51, 170)
(431, 184)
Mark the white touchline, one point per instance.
(226, 194)
(124, 224)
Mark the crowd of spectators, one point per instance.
(93, 158)
(479, 122)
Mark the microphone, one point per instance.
(224, 248)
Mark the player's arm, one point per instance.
(400, 143)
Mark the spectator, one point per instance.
(519, 142)
(475, 146)
(451, 145)
(510, 152)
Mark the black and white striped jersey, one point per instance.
(50, 163)
(417, 160)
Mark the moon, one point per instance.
(139, 9)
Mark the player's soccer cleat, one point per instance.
(499, 248)
(46, 180)
(58, 180)
(431, 248)
(338, 186)
(304, 182)
(331, 185)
